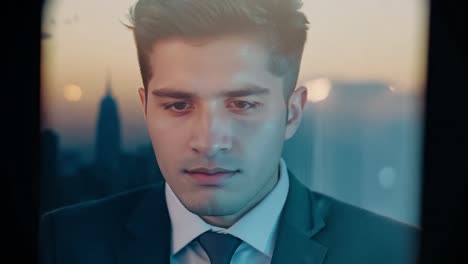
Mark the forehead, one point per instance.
(221, 61)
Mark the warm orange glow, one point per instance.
(72, 93)
(318, 89)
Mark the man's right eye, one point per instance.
(178, 107)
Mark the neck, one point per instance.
(227, 221)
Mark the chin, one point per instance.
(210, 208)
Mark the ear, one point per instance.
(141, 92)
(296, 105)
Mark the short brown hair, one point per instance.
(279, 21)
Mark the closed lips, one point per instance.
(210, 171)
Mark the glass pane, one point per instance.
(359, 140)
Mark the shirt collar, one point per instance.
(256, 228)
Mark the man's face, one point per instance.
(217, 121)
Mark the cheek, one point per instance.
(262, 134)
(166, 134)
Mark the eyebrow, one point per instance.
(246, 91)
(170, 93)
(250, 90)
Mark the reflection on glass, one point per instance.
(359, 140)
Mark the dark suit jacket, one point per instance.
(134, 227)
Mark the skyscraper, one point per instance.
(108, 133)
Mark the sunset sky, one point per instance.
(347, 40)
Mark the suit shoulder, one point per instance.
(332, 208)
(381, 239)
(121, 202)
(348, 221)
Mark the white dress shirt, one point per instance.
(257, 229)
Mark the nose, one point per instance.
(211, 133)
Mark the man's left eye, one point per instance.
(242, 105)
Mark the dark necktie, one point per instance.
(219, 247)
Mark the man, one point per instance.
(219, 101)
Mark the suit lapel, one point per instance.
(300, 220)
(146, 237)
